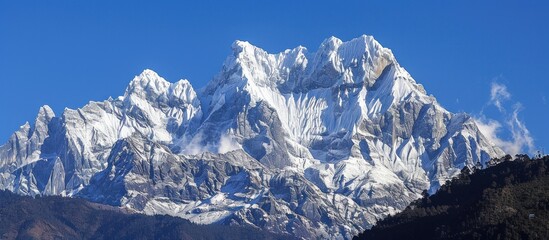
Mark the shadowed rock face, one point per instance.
(313, 144)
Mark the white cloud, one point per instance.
(489, 128)
(520, 139)
(498, 94)
(227, 144)
(520, 134)
(544, 100)
(194, 146)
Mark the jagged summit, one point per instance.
(316, 144)
(148, 84)
(46, 112)
(240, 46)
(361, 60)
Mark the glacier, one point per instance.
(316, 144)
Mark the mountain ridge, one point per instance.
(313, 144)
(53, 217)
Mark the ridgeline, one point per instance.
(54, 217)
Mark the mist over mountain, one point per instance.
(314, 144)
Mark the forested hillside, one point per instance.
(506, 201)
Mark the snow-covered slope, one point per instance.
(318, 144)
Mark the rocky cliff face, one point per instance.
(314, 144)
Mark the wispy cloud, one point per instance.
(544, 100)
(520, 134)
(498, 94)
(520, 139)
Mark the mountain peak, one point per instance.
(183, 92)
(244, 51)
(335, 62)
(147, 84)
(146, 76)
(331, 43)
(361, 44)
(148, 71)
(240, 45)
(46, 112)
(365, 38)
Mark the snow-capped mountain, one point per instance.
(317, 144)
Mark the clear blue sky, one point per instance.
(65, 53)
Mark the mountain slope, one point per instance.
(508, 201)
(314, 144)
(66, 218)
